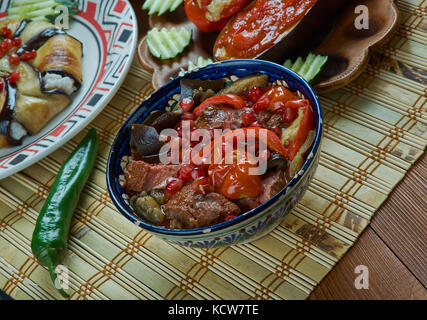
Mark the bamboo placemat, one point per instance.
(375, 129)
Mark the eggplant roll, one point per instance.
(49, 72)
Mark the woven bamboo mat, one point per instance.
(375, 129)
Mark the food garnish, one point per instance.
(161, 6)
(49, 241)
(167, 44)
(200, 63)
(40, 10)
(310, 68)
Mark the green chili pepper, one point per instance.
(49, 242)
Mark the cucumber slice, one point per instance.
(315, 68)
(160, 6)
(288, 64)
(309, 68)
(308, 61)
(201, 62)
(39, 10)
(17, 3)
(23, 9)
(167, 44)
(297, 65)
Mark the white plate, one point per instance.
(109, 33)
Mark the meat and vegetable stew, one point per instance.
(222, 131)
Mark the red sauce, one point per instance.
(258, 27)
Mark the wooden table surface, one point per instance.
(392, 247)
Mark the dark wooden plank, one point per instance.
(388, 277)
(401, 222)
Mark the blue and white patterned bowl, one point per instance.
(246, 227)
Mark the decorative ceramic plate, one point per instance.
(108, 31)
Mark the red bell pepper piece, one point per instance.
(307, 124)
(276, 99)
(229, 99)
(273, 142)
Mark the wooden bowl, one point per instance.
(346, 46)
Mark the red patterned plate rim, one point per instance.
(113, 27)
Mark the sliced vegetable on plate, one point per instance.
(270, 30)
(34, 78)
(161, 6)
(310, 68)
(200, 63)
(167, 44)
(40, 10)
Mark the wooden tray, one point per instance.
(347, 47)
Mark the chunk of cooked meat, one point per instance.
(247, 204)
(269, 120)
(189, 208)
(141, 176)
(272, 183)
(223, 117)
(219, 117)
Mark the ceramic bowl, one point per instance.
(250, 225)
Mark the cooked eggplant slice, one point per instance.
(11, 131)
(148, 208)
(22, 25)
(199, 90)
(188, 85)
(298, 161)
(3, 97)
(5, 67)
(289, 133)
(35, 112)
(277, 162)
(39, 40)
(32, 29)
(272, 31)
(153, 116)
(61, 52)
(45, 84)
(58, 54)
(145, 140)
(243, 85)
(4, 119)
(30, 82)
(166, 120)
